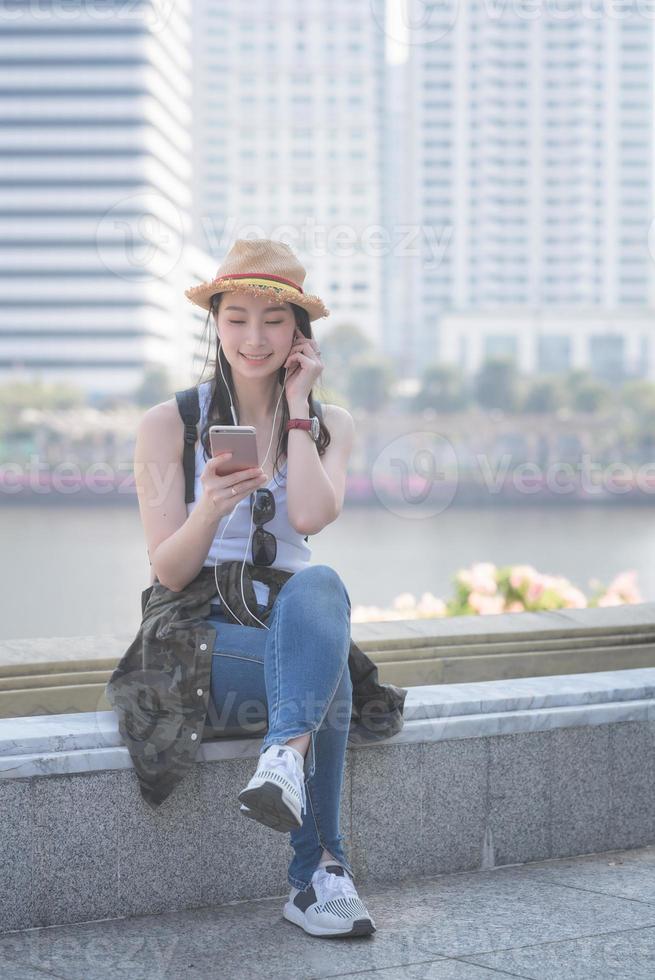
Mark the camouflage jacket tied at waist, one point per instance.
(160, 689)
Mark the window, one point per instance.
(500, 345)
(553, 353)
(606, 352)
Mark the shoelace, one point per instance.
(335, 886)
(284, 762)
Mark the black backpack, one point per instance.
(188, 404)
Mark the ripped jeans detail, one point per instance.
(289, 680)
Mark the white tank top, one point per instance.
(293, 552)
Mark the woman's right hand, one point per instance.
(217, 490)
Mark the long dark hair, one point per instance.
(218, 409)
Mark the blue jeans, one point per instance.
(293, 679)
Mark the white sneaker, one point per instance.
(275, 796)
(331, 907)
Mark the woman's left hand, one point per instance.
(305, 366)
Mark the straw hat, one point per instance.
(261, 267)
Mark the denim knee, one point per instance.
(325, 579)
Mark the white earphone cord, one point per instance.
(243, 565)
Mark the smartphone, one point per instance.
(240, 440)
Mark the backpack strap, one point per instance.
(188, 404)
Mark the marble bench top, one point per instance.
(90, 741)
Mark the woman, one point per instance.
(295, 669)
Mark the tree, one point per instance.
(16, 395)
(442, 388)
(591, 396)
(370, 383)
(585, 392)
(340, 347)
(639, 396)
(156, 386)
(496, 384)
(543, 395)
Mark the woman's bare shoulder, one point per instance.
(335, 410)
(165, 411)
(337, 414)
(162, 422)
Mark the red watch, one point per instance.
(312, 425)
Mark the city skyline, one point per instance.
(430, 172)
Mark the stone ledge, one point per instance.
(482, 775)
(104, 650)
(58, 676)
(90, 741)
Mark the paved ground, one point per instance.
(587, 917)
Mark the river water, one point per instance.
(79, 569)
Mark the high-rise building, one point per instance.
(288, 117)
(399, 299)
(533, 164)
(95, 195)
(506, 162)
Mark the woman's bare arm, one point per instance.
(177, 545)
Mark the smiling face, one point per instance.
(255, 325)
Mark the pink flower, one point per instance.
(522, 573)
(560, 588)
(625, 586)
(610, 599)
(430, 605)
(573, 598)
(486, 605)
(404, 601)
(483, 578)
(536, 588)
